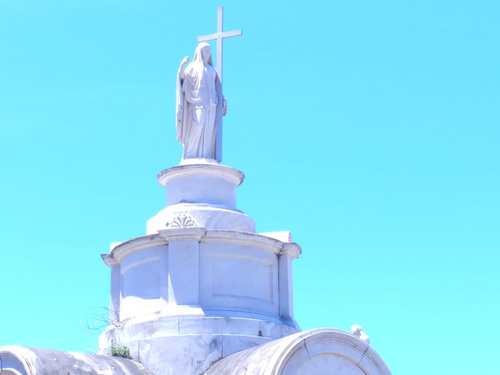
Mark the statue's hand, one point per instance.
(184, 61)
(224, 107)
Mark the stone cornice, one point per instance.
(291, 249)
(133, 245)
(109, 260)
(244, 239)
(167, 175)
(164, 236)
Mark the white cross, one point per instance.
(219, 36)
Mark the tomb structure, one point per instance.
(201, 292)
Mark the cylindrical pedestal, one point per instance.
(201, 195)
(208, 183)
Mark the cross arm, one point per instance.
(207, 38)
(225, 34)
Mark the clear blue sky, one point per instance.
(369, 129)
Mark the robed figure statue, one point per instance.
(200, 105)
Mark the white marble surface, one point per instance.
(196, 271)
(202, 286)
(19, 360)
(185, 297)
(190, 345)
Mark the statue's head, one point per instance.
(203, 53)
(206, 53)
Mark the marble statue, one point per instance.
(357, 331)
(200, 103)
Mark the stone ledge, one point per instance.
(232, 174)
(164, 236)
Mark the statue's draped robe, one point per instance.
(199, 96)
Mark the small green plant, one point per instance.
(120, 351)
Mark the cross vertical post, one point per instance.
(219, 37)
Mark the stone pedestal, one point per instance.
(201, 284)
(201, 195)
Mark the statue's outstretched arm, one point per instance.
(184, 61)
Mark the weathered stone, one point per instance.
(34, 361)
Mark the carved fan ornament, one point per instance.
(182, 221)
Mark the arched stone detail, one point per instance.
(316, 352)
(340, 352)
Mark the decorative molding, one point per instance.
(291, 249)
(109, 260)
(182, 221)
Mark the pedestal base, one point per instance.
(189, 345)
(200, 193)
